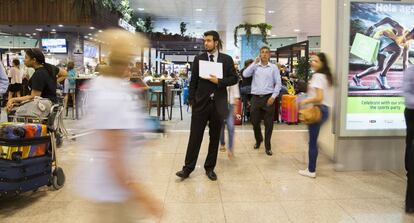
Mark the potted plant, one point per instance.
(263, 27)
(303, 74)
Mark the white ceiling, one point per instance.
(224, 15)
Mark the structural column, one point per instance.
(253, 12)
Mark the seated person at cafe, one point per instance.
(44, 81)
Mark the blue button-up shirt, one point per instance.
(266, 79)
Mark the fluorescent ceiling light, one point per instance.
(141, 9)
(53, 30)
(39, 29)
(90, 34)
(60, 25)
(100, 31)
(91, 27)
(199, 10)
(271, 11)
(198, 21)
(274, 35)
(296, 30)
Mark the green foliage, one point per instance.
(148, 26)
(357, 26)
(302, 69)
(263, 27)
(183, 28)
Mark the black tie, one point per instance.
(211, 58)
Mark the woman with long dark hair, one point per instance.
(318, 87)
(43, 83)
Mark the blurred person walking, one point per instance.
(266, 87)
(208, 98)
(114, 115)
(70, 85)
(318, 88)
(233, 93)
(408, 88)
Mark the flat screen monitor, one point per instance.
(55, 45)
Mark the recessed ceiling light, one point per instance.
(53, 30)
(39, 29)
(86, 37)
(90, 34)
(34, 34)
(60, 25)
(91, 27)
(271, 11)
(198, 21)
(141, 9)
(296, 30)
(100, 31)
(199, 10)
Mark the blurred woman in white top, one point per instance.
(116, 115)
(318, 89)
(233, 93)
(16, 76)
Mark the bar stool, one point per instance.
(178, 92)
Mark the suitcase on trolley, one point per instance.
(23, 140)
(290, 110)
(238, 108)
(26, 175)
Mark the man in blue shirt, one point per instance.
(266, 86)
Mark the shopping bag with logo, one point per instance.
(365, 47)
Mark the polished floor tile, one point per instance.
(252, 187)
(375, 211)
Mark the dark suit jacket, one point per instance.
(201, 89)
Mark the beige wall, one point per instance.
(328, 46)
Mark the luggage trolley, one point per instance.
(28, 163)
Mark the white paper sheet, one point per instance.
(206, 68)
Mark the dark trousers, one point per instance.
(313, 138)
(260, 110)
(198, 124)
(409, 158)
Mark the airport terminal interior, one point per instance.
(228, 111)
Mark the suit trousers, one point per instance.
(409, 157)
(199, 122)
(260, 110)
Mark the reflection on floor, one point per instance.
(251, 188)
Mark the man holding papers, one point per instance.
(266, 87)
(212, 72)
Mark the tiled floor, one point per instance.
(251, 188)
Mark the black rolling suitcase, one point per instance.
(25, 175)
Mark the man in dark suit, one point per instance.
(208, 98)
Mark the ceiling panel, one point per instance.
(224, 15)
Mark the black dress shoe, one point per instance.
(257, 145)
(269, 152)
(211, 175)
(183, 174)
(409, 210)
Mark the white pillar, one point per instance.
(254, 11)
(328, 46)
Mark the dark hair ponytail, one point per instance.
(37, 54)
(325, 68)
